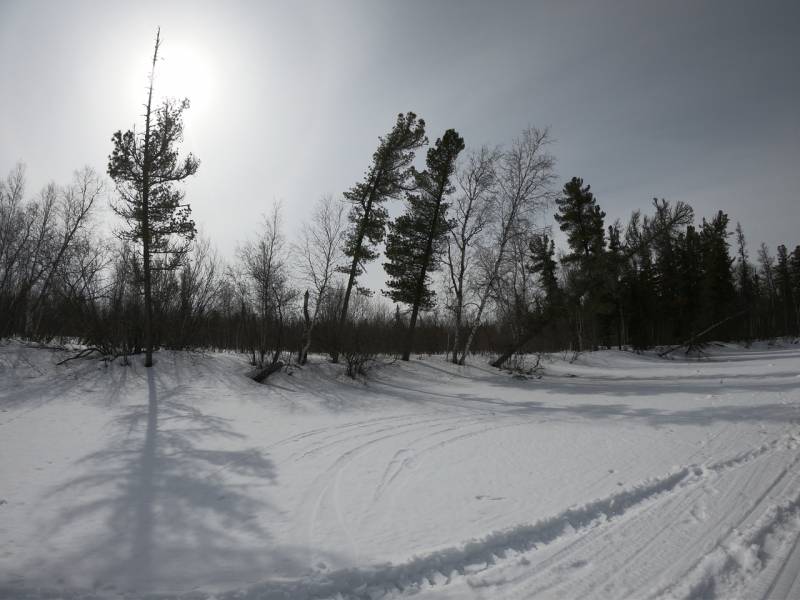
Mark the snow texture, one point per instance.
(615, 475)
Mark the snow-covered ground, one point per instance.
(618, 475)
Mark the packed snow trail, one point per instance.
(618, 475)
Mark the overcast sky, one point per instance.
(686, 100)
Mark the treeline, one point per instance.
(503, 287)
(469, 265)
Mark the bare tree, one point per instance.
(476, 181)
(265, 264)
(524, 179)
(320, 251)
(199, 285)
(74, 209)
(767, 263)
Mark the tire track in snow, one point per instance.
(722, 563)
(472, 556)
(326, 484)
(613, 540)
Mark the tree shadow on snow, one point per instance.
(164, 503)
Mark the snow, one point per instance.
(614, 475)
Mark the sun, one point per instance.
(185, 71)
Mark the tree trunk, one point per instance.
(148, 301)
(694, 337)
(353, 269)
(512, 350)
(302, 356)
(421, 280)
(457, 328)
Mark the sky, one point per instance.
(687, 100)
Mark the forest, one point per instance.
(469, 265)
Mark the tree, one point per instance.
(320, 253)
(783, 284)
(415, 238)
(718, 289)
(542, 263)
(524, 178)
(767, 264)
(476, 180)
(145, 167)
(744, 278)
(580, 217)
(386, 178)
(266, 287)
(794, 280)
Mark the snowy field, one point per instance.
(617, 476)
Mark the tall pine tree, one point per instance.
(580, 217)
(386, 178)
(415, 238)
(145, 166)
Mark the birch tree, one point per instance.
(524, 188)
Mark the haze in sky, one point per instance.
(686, 100)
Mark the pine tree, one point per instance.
(794, 280)
(744, 276)
(415, 238)
(542, 262)
(386, 178)
(580, 217)
(718, 286)
(783, 285)
(690, 286)
(145, 166)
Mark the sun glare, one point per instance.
(185, 71)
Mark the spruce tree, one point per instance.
(386, 178)
(415, 238)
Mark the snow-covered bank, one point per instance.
(614, 475)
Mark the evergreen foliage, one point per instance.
(145, 167)
(416, 237)
(386, 178)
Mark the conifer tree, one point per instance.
(794, 280)
(717, 266)
(415, 238)
(145, 167)
(690, 283)
(542, 262)
(744, 278)
(580, 217)
(386, 178)
(783, 285)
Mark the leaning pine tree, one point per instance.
(385, 179)
(416, 237)
(145, 166)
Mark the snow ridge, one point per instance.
(475, 555)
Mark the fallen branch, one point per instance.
(83, 354)
(691, 341)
